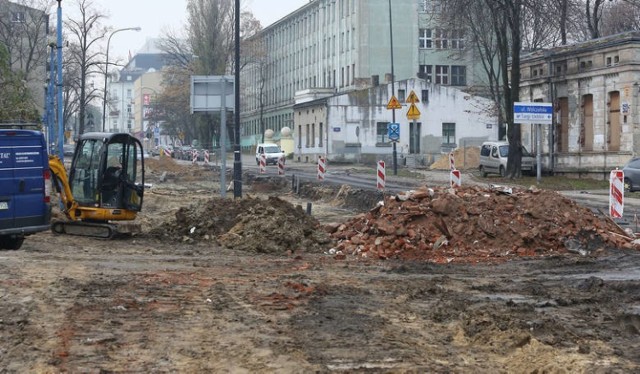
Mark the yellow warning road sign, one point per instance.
(394, 103)
(413, 98)
(413, 112)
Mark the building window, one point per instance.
(425, 38)
(457, 39)
(18, 17)
(129, 93)
(442, 74)
(441, 39)
(425, 96)
(425, 6)
(401, 96)
(426, 73)
(320, 132)
(308, 132)
(347, 81)
(448, 133)
(313, 135)
(353, 73)
(129, 124)
(458, 75)
(381, 132)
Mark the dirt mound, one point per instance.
(163, 164)
(251, 224)
(464, 158)
(475, 224)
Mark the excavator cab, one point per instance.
(107, 171)
(105, 183)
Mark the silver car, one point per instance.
(493, 159)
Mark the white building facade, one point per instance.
(354, 126)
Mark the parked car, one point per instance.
(493, 159)
(272, 153)
(183, 152)
(68, 149)
(631, 172)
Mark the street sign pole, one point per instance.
(537, 114)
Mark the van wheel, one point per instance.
(11, 242)
(503, 172)
(627, 185)
(483, 172)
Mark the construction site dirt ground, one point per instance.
(431, 281)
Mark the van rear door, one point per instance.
(7, 187)
(23, 163)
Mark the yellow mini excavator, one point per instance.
(105, 184)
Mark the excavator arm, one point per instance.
(62, 186)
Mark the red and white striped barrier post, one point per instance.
(194, 156)
(321, 168)
(452, 162)
(382, 175)
(206, 157)
(456, 178)
(616, 194)
(263, 163)
(281, 165)
(167, 152)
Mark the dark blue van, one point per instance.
(25, 186)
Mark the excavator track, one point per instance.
(89, 229)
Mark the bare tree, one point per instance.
(15, 102)
(86, 32)
(25, 36)
(620, 17)
(593, 14)
(23, 31)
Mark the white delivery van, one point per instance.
(272, 153)
(493, 159)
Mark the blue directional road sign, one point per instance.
(393, 131)
(533, 113)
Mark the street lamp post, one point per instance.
(106, 73)
(393, 92)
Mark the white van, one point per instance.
(493, 159)
(271, 151)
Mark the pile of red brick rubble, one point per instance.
(476, 224)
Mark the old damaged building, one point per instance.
(594, 88)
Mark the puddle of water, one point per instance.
(516, 298)
(610, 275)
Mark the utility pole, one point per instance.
(393, 92)
(237, 161)
(59, 86)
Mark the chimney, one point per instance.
(375, 80)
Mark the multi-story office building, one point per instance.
(330, 47)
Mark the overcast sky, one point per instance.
(155, 16)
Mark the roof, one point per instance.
(587, 46)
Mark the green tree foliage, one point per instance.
(16, 104)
